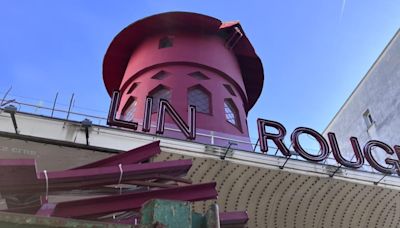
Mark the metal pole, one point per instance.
(276, 151)
(54, 105)
(12, 110)
(5, 95)
(227, 150)
(70, 104)
(255, 146)
(87, 135)
(14, 123)
(340, 166)
(376, 183)
(283, 166)
(334, 172)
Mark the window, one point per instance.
(230, 90)
(165, 42)
(133, 86)
(200, 97)
(231, 113)
(234, 38)
(160, 92)
(160, 75)
(129, 110)
(368, 118)
(198, 75)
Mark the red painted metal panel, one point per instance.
(129, 201)
(13, 171)
(18, 177)
(133, 156)
(234, 217)
(85, 178)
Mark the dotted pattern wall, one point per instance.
(276, 198)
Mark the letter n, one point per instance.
(188, 130)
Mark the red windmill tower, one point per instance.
(186, 59)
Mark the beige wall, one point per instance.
(47, 156)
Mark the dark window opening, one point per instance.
(234, 38)
(198, 75)
(165, 42)
(133, 87)
(368, 118)
(230, 89)
(160, 75)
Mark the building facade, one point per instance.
(273, 190)
(372, 110)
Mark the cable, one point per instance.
(121, 172)
(47, 184)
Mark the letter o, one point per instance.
(324, 152)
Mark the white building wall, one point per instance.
(378, 92)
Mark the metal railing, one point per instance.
(42, 109)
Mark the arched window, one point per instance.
(160, 92)
(129, 109)
(231, 113)
(200, 97)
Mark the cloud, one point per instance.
(342, 9)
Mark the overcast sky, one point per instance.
(314, 52)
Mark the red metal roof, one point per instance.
(122, 46)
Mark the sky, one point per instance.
(314, 52)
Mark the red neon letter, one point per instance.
(397, 150)
(368, 155)
(112, 113)
(338, 156)
(324, 148)
(147, 114)
(188, 131)
(263, 136)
